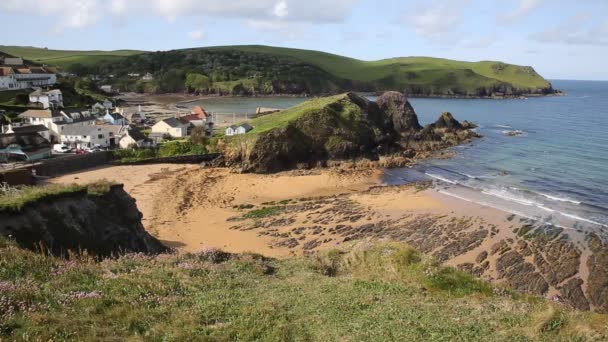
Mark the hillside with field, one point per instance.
(265, 70)
(65, 58)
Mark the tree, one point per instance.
(199, 135)
(197, 82)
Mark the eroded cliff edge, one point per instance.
(103, 224)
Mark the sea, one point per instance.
(543, 158)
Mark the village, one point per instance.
(50, 128)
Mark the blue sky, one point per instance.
(561, 39)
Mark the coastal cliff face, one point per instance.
(342, 127)
(103, 225)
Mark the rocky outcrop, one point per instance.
(348, 127)
(447, 121)
(399, 111)
(103, 225)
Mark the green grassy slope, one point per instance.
(376, 293)
(349, 68)
(265, 69)
(65, 58)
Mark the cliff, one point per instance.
(103, 223)
(340, 127)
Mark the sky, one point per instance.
(561, 39)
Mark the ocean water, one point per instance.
(556, 171)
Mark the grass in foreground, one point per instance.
(383, 292)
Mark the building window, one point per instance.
(100, 136)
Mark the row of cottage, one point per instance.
(15, 75)
(84, 128)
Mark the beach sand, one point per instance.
(299, 212)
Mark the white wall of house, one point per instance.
(162, 127)
(99, 137)
(7, 82)
(236, 131)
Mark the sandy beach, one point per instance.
(293, 213)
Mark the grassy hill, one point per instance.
(362, 293)
(349, 68)
(246, 70)
(267, 70)
(65, 58)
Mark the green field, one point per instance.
(385, 292)
(64, 58)
(355, 69)
(270, 70)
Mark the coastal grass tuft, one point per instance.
(13, 199)
(361, 293)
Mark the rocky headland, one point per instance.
(342, 127)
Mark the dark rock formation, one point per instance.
(104, 225)
(597, 282)
(399, 111)
(447, 121)
(347, 128)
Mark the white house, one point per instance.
(238, 129)
(56, 120)
(13, 77)
(47, 99)
(51, 119)
(173, 127)
(134, 137)
(148, 77)
(115, 119)
(87, 136)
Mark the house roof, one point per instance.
(27, 141)
(80, 130)
(40, 113)
(191, 117)
(136, 134)
(246, 126)
(29, 129)
(116, 116)
(173, 122)
(200, 112)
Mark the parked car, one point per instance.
(80, 151)
(61, 148)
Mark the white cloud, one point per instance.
(197, 35)
(280, 9)
(525, 8)
(578, 30)
(265, 15)
(437, 21)
(70, 13)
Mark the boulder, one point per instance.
(447, 121)
(401, 113)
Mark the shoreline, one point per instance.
(300, 212)
(189, 98)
